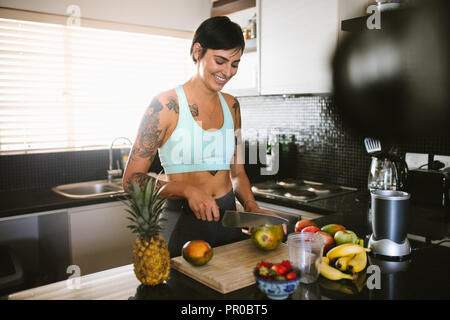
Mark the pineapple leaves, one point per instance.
(148, 193)
(137, 194)
(145, 213)
(130, 211)
(145, 206)
(131, 219)
(157, 206)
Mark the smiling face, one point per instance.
(217, 67)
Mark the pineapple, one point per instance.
(151, 257)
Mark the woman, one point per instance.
(189, 126)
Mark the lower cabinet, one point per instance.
(99, 238)
(52, 245)
(40, 244)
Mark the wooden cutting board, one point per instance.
(231, 267)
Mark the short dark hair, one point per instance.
(218, 33)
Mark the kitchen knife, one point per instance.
(241, 219)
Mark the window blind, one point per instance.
(70, 87)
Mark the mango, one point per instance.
(197, 252)
(332, 228)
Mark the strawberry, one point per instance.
(264, 271)
(286, 264)
(279, 268)
(291, 275)
(263, 264)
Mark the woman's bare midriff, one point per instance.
(216, 185)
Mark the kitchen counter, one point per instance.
(423, 276)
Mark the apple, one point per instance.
(345, 236)
(312, 229)
(328, 241)
(303, 224)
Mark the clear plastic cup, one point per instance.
(305, 252)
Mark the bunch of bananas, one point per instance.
(346, 257)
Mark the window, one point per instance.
(69, 87)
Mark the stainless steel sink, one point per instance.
(90, 189)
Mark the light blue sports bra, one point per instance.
(190, 148)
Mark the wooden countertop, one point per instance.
(113, 284)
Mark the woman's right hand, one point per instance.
(202, 204)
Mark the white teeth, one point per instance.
(219, 78)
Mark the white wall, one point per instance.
(173, 14)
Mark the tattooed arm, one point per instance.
(153, 125)
(152, 130)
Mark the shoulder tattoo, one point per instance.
(194, 109)
(173, 105)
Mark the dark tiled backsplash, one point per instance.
(326, 149)
(44, 170)
(34, 171)
(321, 148)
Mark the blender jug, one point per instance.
(387, 172)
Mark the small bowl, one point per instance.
(277, 290)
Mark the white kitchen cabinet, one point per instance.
(298, 39)
(246, 81)
(99, 237)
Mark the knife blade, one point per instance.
(240, 219)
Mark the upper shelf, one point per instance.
(224, 7)
(388, 20)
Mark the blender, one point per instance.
(390, 210)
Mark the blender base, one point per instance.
(389, 248)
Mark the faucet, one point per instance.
(115, 172)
